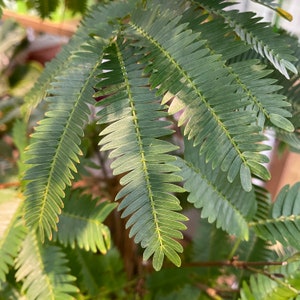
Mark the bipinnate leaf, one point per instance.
(254, 87)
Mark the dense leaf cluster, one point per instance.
(153, 71)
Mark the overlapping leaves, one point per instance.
(212, 111)
(227, 205)
(248, 74)
(257, 34)
(94, 24)
(54, 152)
(286, 285)
(222, 107)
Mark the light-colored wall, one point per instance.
(291, 6)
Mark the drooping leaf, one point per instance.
(134, 138)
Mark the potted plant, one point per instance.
(177, 95)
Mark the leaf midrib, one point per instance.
(192, 84)
(140, 144)
(61, 141)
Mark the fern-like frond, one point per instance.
(248, 75)
(12, 232)
(262, 287)
(257, 34)
(270, 285)
(55, 148)
(214, 30)
(226, 204)
(283, 224)
(134, 139)
(94, 24)
(267, 104)
(81, 223)
(43, 270)
(181, 64)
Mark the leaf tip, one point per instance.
(283, 13)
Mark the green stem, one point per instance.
(277, 17)
(233, 250)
